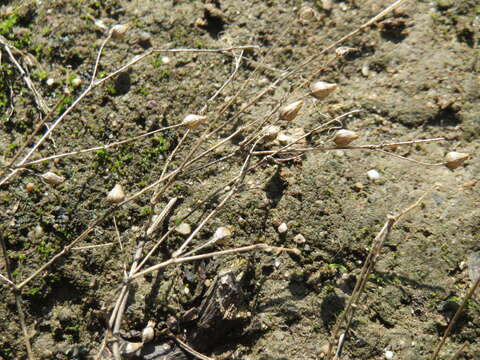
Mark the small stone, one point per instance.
(282, 228)
(389, 354)
(50, 81)
(358, 186)
(299, 239)
(373, 174)
(183, 229)
(116, 195)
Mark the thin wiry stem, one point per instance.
(18, 299)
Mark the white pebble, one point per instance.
(183, 229)
(282, 228)
(165, 59)
(50, 81)
(299, 239)
(389, 354)
(373, 175)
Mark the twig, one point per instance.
(189, 349)
(18, 299)
(38, 98)
(455, 317)
(92, 246)
(459, 351)
(100, 147)
(349, 312)
(181, 260)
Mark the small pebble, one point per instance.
(50, 81)
(389, 354)
(299, 239)
(373, 175)
(183, 229)
(30, 187)
(282, 228)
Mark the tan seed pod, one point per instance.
(307, 13)
(344, 137)
(321, 89)
(270, 132)
(119, 31)
(128, 349)
(52, 179)
(116, 195)
(290, 111)
(149, 332)
(191, 121)
(455, 159)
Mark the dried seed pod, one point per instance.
(321, 89)
(76, 82)
(116, 195)
(128, 349)
(52, 179)
(307, 13)
(290, 111)
(118, 31)
(455, 159)
(221, 233)
(191, 121)
(270, 132)
(149, 332)
(343, 137)
(282, 228)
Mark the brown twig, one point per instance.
(452, 322)
(18, 299)
(349, 312)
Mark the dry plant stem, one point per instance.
(349, 312)
(218, 92)
(460, 350)
(455, 317)
(202, 224)
(119, 239)
(157, 193)
(38, 98)
(190, 350)
(181, 260)
(92, 246)
(18, 299)
(120, 306)
(96, 83)
(7, 281)
(375, 147)
(217, 208)
(35, 132)
(138, 58)
(101, 147)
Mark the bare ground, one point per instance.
(414, 76)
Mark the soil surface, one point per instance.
(413, 75)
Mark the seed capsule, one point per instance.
(116, 195)
(52, 179)
(455, 159)
(118, 31)
(290, 111)
(344, 137)
(270, 132)
(322, 89)
(148, 333)
(128, 349)
(191, 121)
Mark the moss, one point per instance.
(7, 25)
